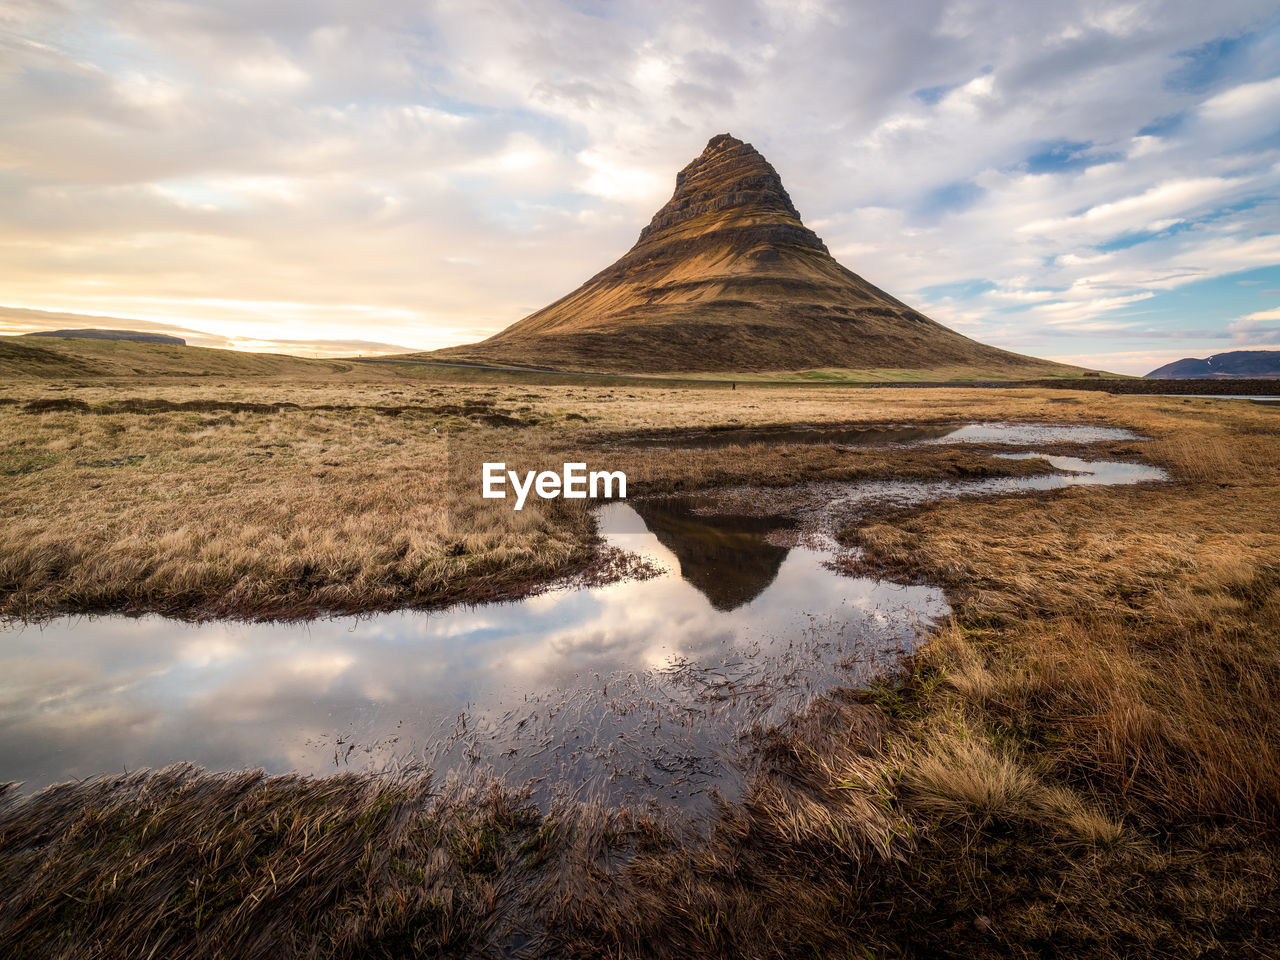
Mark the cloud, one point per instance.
(1256, 328)
(1142, 211)
(1134, 362)
(427, 174)
(20, 320)
(1075, 312)
(1249, 100)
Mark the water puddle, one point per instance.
(1265, 401)
(1013, 434)
(823, 508)
(840, 436)
(1072, 472)
(1031, 434)
(637, 691)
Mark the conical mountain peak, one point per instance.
(726, 277)
(728, 182)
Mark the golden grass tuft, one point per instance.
(1083, 762)
(957, 774)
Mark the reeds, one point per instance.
(180, 863)
(1082, 763)
(256, 500)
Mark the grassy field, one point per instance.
(265, 498)
(1082, 762)
(958, 373)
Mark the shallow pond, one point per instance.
(1267, 401)
(1071, 472)
(1013, 434)
(824, 507)
(634, 689)
(639, 690)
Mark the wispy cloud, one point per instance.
(21, 320)
(1256, 328)
(426, 174)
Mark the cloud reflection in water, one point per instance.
(637, 689)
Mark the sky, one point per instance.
(1094, 182)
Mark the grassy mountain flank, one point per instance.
(48, 357)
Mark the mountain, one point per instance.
(1222, 366)
(726, 277)
(110, 335)
(57, 357)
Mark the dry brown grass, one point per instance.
(263, 499)
(1082, 763)
(182, 864)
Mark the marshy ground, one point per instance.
(261, 499)
(1082, 762)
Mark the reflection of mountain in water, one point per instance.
(727, 558)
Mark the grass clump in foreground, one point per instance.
(179, 863)
(1083, 762)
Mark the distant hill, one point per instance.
(135, 335)
(726, 278)
(55, 357)
(1222, 366)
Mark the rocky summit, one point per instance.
(726, 277)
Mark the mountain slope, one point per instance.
(54, 357)
(726, 277)
(97, 334)
(1222, 366)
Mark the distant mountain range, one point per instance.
(1222, 366)
(111, 335)
(726, 277)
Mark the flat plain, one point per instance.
(1082, 760)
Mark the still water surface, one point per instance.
(1256, 398)
(639, 690)
(1013, 434)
